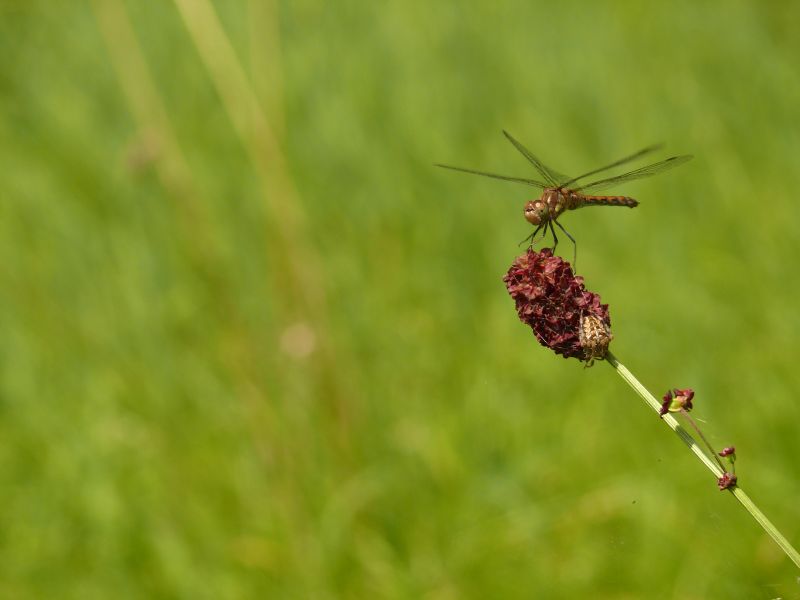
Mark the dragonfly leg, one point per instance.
(531, 237)
(555, 237)
(574, 245)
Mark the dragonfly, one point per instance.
(561, 193)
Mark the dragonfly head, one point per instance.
(536, 212)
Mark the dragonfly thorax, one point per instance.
(548, 207)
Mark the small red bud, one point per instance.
(728, 480)
(685, 397)
(666, 401)
(676, 400)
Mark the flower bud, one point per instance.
(676, 400)
(728, 480)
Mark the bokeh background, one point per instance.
(255, 345)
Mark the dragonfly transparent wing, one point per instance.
(617, 163)
(640, 173)
(522, 180)
(550, 176)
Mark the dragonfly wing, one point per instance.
(522, 180)
(617, 163)
(550, 176)
(640, 173)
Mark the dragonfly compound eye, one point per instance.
(535, 213)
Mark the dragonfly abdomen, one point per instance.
(607, 201)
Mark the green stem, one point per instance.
(711, 450)
(687, 439)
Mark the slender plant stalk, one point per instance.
(699, 433)
(709, 463)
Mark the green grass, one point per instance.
(164, 435)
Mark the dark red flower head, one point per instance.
(553, 301)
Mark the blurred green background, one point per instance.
(255, 345)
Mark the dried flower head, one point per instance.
(554, 303)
